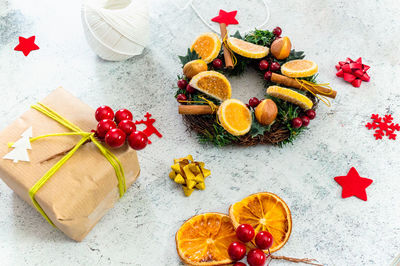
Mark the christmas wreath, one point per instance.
(204, 92)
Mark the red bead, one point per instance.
(127, 126)
(256, 257)
(104, 126)
(217, 63)
(190, 89)
(264, 240)
(137, 140)
(245, 232)
(297, 122)
(182, 83)
(277, 31)
(268, 75)
(115, 138)
(181, 97)
(236, 251)
(311, 114)
(253, 102)
(104, 112)
(123, 114)
(263, 65)
(239, 264)
(305, 120)
(275, 66)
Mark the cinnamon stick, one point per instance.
(227, 53)
(290, 82)
(195, 110)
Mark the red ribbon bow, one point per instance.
(353, 71)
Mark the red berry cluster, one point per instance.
(253, 102)
(184, 85)
(303, 120)
(255, 257)
(115, 136)
(270, 66)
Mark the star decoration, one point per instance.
(227, 18)
(26, 45)
(353, 185)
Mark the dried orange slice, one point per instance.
(235, 117)
(207, 46)
(247, 49)
(264, 211)
(290, 96)
(299, 68)
(204, 239)
(212, 83)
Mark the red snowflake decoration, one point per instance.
(383, 126)
(150, 129)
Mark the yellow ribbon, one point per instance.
(315, 87)
(225, 42)
(212, 105)
(86, 136)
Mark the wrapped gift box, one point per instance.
(85, 187)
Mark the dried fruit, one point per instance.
(299, 68)
(247, 49)
(266, 112)
(194, 67)
(204, 239)
(207, 46)
(290, 96)
(235, 117)
(212, 83)
(281, 47)
(265, 212)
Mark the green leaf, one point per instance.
(237, 35)
(294, 55)
(260, 37)
(258, 129)
(190, 56)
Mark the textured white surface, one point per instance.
(140, 229)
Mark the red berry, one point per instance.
(104, 112)
(256, 257)
(267, 75)
(277, 31)
(275, 66)
(253, 102)
(263, 65)
(127, 126)
(190, 89)
(182, 83)
(115, 138)
(247, 105)
(311, 114)
(245, 232)
(239, 264)
(217, 63)
(123, 114)
(104, 126)
(236, 251)
(181, 97)
(305, 120)
(137, 140)
(264, 240)
(297, 122)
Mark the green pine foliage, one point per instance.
(217, 135)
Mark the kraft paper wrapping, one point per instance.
(85, 187)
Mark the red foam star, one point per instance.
(226, 17)
(353, 185)
(26, 45)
